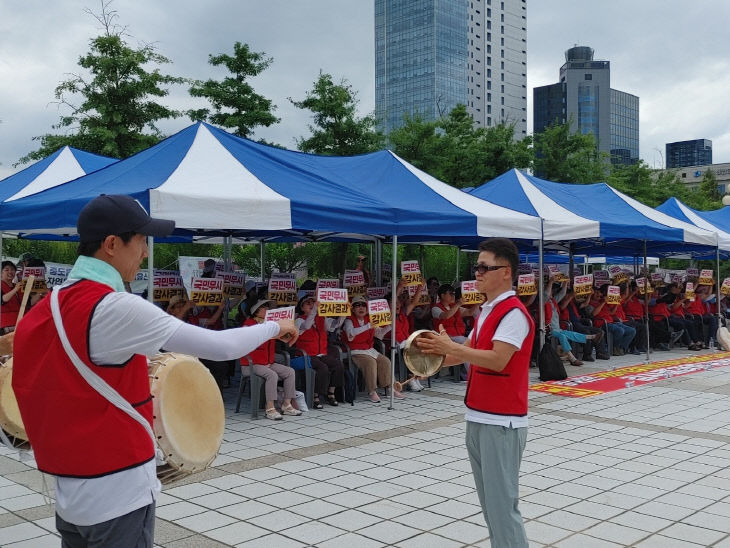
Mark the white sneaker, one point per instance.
(414, 385)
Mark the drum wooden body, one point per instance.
(10, 419)
(189, 417)
(420, 364)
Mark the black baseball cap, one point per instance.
(111, 214)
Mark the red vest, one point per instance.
(659, 310)
(264, 354)
(620, 314)
(11, 308)
(503, 392)
(205, 314)
(604, 316)
(634, 308)
(697, 307)
(74, 430)
(364, 340)
(454, 325)
(677, 310)
(402, 327)
(314, 340)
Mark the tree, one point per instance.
(568, 157)
(337, 130)
(708, 188)
(118, 109)
(456, 152)
(235, 103)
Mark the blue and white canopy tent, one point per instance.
(717, 221)
(64, 165)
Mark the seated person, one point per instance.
(264, 366)
(359, 335)
(313, 330)
(602, 315)
(699, 312)
(449, 313)
(676, 301)
(569, 312)
(659, 322)
(552, 319)
(638, 344)
(180, 307)
(11, 297)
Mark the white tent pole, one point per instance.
(646, 304)
(378, 262)
(458, 256)
(227, 245)
(717, 284)
(541, 288)
(393, 310)
(262, 260)
(150, 269)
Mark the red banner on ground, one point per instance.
(601, 382)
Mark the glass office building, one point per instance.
(584, 95)
(697, 152)
(431, 55)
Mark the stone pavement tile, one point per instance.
(455, 509)
(352, 499)
(7, 519)
(192, 490)
(236, 533)
(37, 513)
(582, 541)
(650, 524)
(594, 510)
(640, 491)
(46, 541)
(352, 481)
(13, 490)
(618, 500)
(49, 523)
(575, 490)
(552, 500)
(428, 540)
(313, 533)
(620, 534)
(319, 489)
(349, 540)
(263, 474)
(531, 510)
(389, 532)
(598, 482)
(708, 521)
(662, 510)
(196, 541)
(417, 499)
(725, 543)
(163, 499)
(688, 476)
(23, 502)
(166, 532)
(450, 488)
(665, 484)
(691, 533)
(660, 541)
(247, 509)
(350, 520)
(463, 531)
(423, 520)
(273, 540)
(284, 499)
(710, 491)
(568, 520)
(685, 500)
(218, 499)
(21, 531)
(538, 481)
(206, 521)
(229, 481)
(544, 533)
(179, 510)
(386, 509)
(317, 509)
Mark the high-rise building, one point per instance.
(697, 152)
(431, 55)
(584, 95)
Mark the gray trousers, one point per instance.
(133, 530)
(495, 453)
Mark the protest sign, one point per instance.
(689, 292)
(283, 289)
(725, 287)
(39, 283)
(641, 286)
(613, 295)
(618, 276)
(327, 282)
(379, 312)
(583, 285)
(56, 273)
(332, 302)
(207, 291)
(692, 273)
(411, 273)
(526, 285)
(470, 294)
(706, 277)
(166, 286)
(376, 292)
(556, 274)
(233, 285)
(276, 314)
(601, 278)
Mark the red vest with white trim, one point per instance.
(500, 392)
(264, 354)
(402, 327)
(364, 340)
(75, 431)
(314, 340)
(454, 325)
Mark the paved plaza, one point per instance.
(644, 466)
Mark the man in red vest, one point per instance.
(103, 459)
(498, 350)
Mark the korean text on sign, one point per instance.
(470, 294)
(332, 302)
(379, 312)
(526, 284)
(207, 291)
(276, 314)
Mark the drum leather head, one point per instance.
(10, 419)
(189, 413)
(418, 363)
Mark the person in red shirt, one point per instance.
(264, 366)
(603, 314)
(699, 312)
(676, 301)
(11, 299)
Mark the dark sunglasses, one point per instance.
(483, 268)
(358, 304)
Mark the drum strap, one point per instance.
(94, 380)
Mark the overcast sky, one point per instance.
(673, 54)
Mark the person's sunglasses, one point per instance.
(483, 268)
(358, 304)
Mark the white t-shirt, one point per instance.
(122, 325)
(513, 329)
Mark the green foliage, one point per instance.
(118, 109)
(567, 157)
(337, 130)
(54, 252)
(235, 103)
(708, 189)
(456, 152)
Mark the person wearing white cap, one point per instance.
(358, 334)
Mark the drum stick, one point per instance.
(26, 295)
